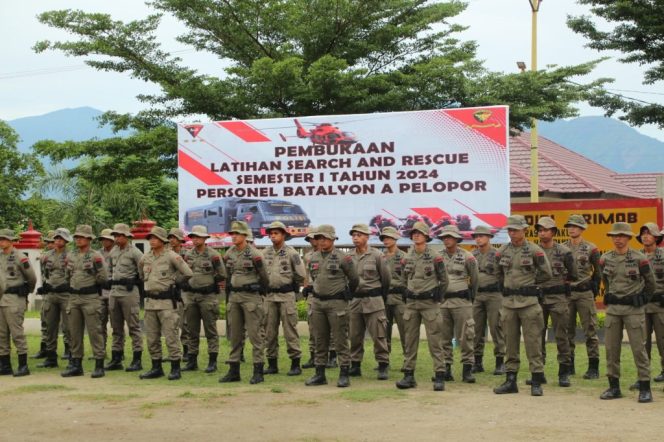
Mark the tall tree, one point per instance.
(638, 32)
(302, 57)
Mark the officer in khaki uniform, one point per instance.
(367, 308)
(555, 292)
(457, 306)
(86, 273)
(125, 299)
(19, 281)
(335, 278)
(306, 292)
(394, 305)
(107, 242)
(48, 245)
(488, 302)
(426, 280)
(55, 290)
(247, 283)
(522, 266)
(285, 270)
(584, 291)
(175, 241)
(629, 285)
(161, 269)
(202, 298)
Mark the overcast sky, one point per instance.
(33, 84)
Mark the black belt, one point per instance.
(256, 288)
(555, 290)
(206, 290)
(159, 295)
(89, 290)
(369, 294)
(424, 295)
(658, 297)
(489, 288)
(463, 294)
(20, 290)
(635, 300)
(583, 287)
(396, 291)
(283, 289)
(337, 296)
(532, 290)
(62, 288)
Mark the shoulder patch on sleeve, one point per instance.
(25, 262)
(216, 258)
(438, 259)
(539, 253)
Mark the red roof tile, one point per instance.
(644, 183)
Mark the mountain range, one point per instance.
(607, 141)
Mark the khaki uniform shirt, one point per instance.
(53, 267)
(522, 266)
(85, 269)
(563, 271)
(462, 274)
(333, 272)
(16, 270)
(284, 267)
(206, 266)
(424, 271)
(246, 267)
(586, 258)
(160, 273)
(656, 259)
(626, 275)
(124, 265)
(109, 268)
(487, 267)
(397, 286)
(372, 273)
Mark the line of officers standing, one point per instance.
(454, 293)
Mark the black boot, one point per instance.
(468, 377)
(66, 354)
(448, 373)
(613, 392)
(192, 362)
(116, 361)
(645, 395)
(99, 369)
(500, 366)
(6, 366)
(408, 380)
(383, 368)
(310, 363)
(212, 363)
(42, 353)
(24, 371)
(659, 377)
(272, 366)
(185, 353)
(563, 375)
(635, 386)
(257, 378)
(74, 369)
(509, 386)
(332, 360)
(572, 369)
(233, 374)
(355, 369)
(593, 369)
(439, 381)
(155, 372)
(478, 366)
(536, 385)
(344, 380)
(318, 378)
(175, 374)
(51, 361)
(295, 369)
(543, 381)
(136, 364)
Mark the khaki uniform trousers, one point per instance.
(164, 323)
(185, 334)
(312, 331)
(284, 313)
(11, 325)
(330, 317)
(246, 312)
(583, 304)
(104, 316)
(55, 313)
(416, 313)
(559, 313)
(83, 312)
(376, 324)
(125, 309)
(655, 322)
(635, 324)
(394, 313)
(459, 322)
(202, 307)
(486, 309)
(530, 320)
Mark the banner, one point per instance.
(442, 167)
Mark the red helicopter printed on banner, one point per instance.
(323, 133)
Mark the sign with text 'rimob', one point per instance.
(441, 167)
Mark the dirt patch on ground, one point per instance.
(45, 406)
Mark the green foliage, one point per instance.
(637, 33)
